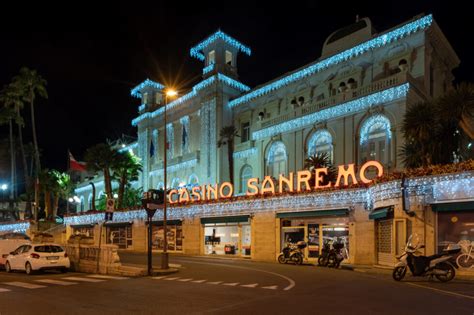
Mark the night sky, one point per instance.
(92, 54)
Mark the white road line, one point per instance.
(253, 285)
(273, 287)
(58, 282)
(198, 281)
(231, 284)
(4, 290)
(185, 280)
(158, 278)
(170, 279)
(107, 277)
(83, 279)
(215, 282)
(441, 291)
(25, 285)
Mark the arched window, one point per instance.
(245, 175)
(276, 160)
(375, 138)
(193, 180)
(160, 185)
(320, 142)
(175, 182)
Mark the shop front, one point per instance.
(174, 235)
(84, 229)
(227, 235)
(120, 234)
(315, 228)
(455, 223)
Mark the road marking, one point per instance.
(108, 277)
(58, 282)
(184, 280)
(174, 278)
(231, 284)
(158, 278)
(273, 287)
(4, 290)
(253, 285)
(215, 282)
(198, 281)
(442, 291)
(83, 279)
(25, 285)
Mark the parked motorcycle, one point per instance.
(325, 251)
(293, 252)
(438, 265)
(337, 254)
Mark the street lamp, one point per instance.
(164, 258)
(3, 187)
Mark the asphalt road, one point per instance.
(209, 285)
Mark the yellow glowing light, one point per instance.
(171, 92)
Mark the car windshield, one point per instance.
(48, 249)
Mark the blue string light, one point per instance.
(136, 91)
(245, 153)
(196, 50)
(208, 68)
(15, 227)
(362, 103)
(374, 123)
(372, 44)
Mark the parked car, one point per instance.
(9, 242)
(33, 257)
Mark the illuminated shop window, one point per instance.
(320, 142)
(375, 137)
(276, 159)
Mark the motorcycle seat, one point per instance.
(429, 258)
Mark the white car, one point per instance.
(35, 257)
(9, 242)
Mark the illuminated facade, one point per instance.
(348, 104)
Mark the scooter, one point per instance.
(336, 255)
(438, 265)
(326, 250)
(292, 253)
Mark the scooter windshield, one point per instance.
(413, 241)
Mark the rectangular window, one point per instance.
(157, 98)
(245, 133)
(211, 58)
(228, 58)
(145, 98)
(453, 227)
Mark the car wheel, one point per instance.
(8, 268)
(28, 269)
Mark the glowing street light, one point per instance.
(4, 187)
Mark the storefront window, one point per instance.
(174, 237)
(227, 239)
(86, 231)
(120, 236)
(455, 226)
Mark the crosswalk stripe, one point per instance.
(58, 282)
(24, 285)
(185, 280)
(4, 290)
(107, 277)
(174, 278)
(83, 279)
(253, 285)
(215, 282)
(231, 284)
(158, 278)
(273, 287)
(198, 281)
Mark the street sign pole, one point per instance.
(151, 201)
(150, 257)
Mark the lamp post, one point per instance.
(164, 258)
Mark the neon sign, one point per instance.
(304, 180)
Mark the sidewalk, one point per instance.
(387, 270)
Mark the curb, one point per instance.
(161, 272)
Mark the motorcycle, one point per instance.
(325, 251)
(438, 265)
(292, 253)
(337, 254)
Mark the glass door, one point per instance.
(293, 235)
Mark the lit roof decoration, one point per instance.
(136, 91)
(357, 105)
(196, 50)
(355, 51)
(201, 85)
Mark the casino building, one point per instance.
(348, 103)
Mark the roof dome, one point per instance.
(348, 37)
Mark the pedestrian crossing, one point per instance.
(33, 284)
(229, 284)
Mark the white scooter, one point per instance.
(437, 265)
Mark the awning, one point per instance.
(233, 219)
(380, 213)
(316, 213)
(117, 224)
(81, 226)
(168, 222)
(453, 206)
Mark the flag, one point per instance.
(76, 165)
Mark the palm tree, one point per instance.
(46, 187)
(7, 115)
(62, 187)
(101, 158)
(126, 169)
(227, 136)
(458, 105)
(32, 84)
(321, 160)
